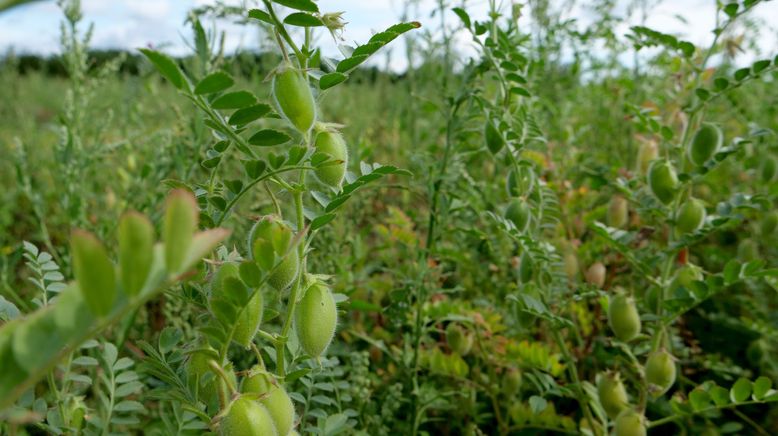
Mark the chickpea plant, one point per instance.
(263, 297)
(642, 322)
(548, 270)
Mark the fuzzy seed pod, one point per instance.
(331, 143)
(520, 182)
(511, 382)
(648, 152)
(526, 268)
(246, 417)
(613, 396)
(200, 377)
(595, 275)
(662, 181)
(571, 264)
(691, 216)
(630, 423)
(249, 320)
(685, 277)
(315, 319)
(660, 372)
(519, 213)
(618, 212)
(623, 318)
(493, 137)
(270, 240)
(294, 98)
(459, 340)
(705, 144)
(273, 397)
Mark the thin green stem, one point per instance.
(282, 31)
(420, 297)
(751, 422)
(266, 336)
(245, 189)
(573, 371)
(273, 199)
(215, 367)
(293, 295)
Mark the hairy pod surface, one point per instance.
(630, 423)
(706, 142)
(618, 212)
(94, 272)
(571, 264)
(200, 376)
(612, 394)
(526, 268)
(623, 318)
(662, 181)
(225, 271)
(459, 340)
(331, 143)
(685, 277)
(273, 397)
(250, 318)
(691, 216)
(660, 372)
(512, 382)
(647, 152)
(315, 319)
(246, 417)
(493, 137)
(269, 241)
(595, 275)
(519, 213)
(294, 98)
(520, 181)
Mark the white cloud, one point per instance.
(150, 9)
(132, 23)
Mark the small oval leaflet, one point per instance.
(214, 82)
(234, 100)
(269, 137)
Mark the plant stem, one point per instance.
(282, 31)
(421, 290)
(294, 293)
(246, 188)
(580, 394)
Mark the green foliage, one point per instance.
(583, 241)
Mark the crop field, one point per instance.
(490, 219)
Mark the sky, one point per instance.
(129, 24)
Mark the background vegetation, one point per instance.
(453, 318)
